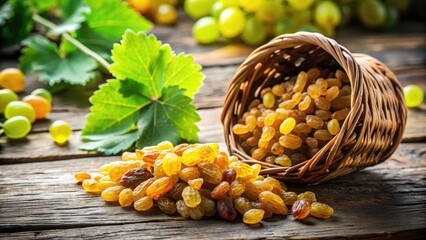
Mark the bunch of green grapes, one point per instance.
(255, 21)
(162, 12)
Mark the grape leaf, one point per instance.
(112, 145)
(153, 93)
(73, 13)
(143, 58)
(18, 24)
(111, 112)
(111, 18)
(42, 56)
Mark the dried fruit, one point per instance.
(189, 173)
(140, 190)
(81, 176)
(182, 208)
(210, 172)
(221, 190)
(133, 177)
(191, 196)
(166, 205)
(125, 198)
(226, 210)
(160, 187)
(111, 194)
(321, 210)
(253, 216)
(171, 164)
(143, 204)
(273, 203)
(229, 175)
(301, 209)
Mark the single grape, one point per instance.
(43, 93)
(300, 4)
(270, 11)
(413, 95)
(60, 131)
(205, 30)
(216, 9)
(142, 6)
(198, 8)
(19, 108)
(166, 14)
(13, 79)
(41, 106)
(285, 25)
(251, 5)
(372, 13)
(17, 127)
(6, 96)
(327, 14)
(231, 22)
(254, 33)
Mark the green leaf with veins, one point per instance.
(73, 14)
(111, 112)
(42, 56)
(111, 18)
(153, 93)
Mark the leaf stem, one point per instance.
(43, 21)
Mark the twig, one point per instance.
(43, 21)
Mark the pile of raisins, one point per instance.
(293, 120)
(197, 181)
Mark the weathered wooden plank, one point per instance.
(42, 200)
(40, 147)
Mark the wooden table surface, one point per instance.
(40, 199)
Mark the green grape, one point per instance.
(43, 93)
(300, 4)
(216, 9)
(302, 17)
(372, 13)
(6, 96)
(254, 33)
(251, 5)
(198, 8)
(205, 30)
(17, 127)
(60, 131)
(270, 11)
(285, 25)
(19, 108)
(327, 14)
(413, 95)
(231, 22)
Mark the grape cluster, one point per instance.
(294, 119)
(160, 11)
(254, 21)
(21, 114)
(196, 181)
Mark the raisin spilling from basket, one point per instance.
(294, 119)
(197, 181)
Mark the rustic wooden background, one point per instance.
(40, 199)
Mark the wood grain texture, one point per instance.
(42, 200)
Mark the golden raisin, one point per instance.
(321, 210)
(81, 176)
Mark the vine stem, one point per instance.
(43, 21)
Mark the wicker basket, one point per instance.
(370, 133)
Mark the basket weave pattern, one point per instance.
(370, 133)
